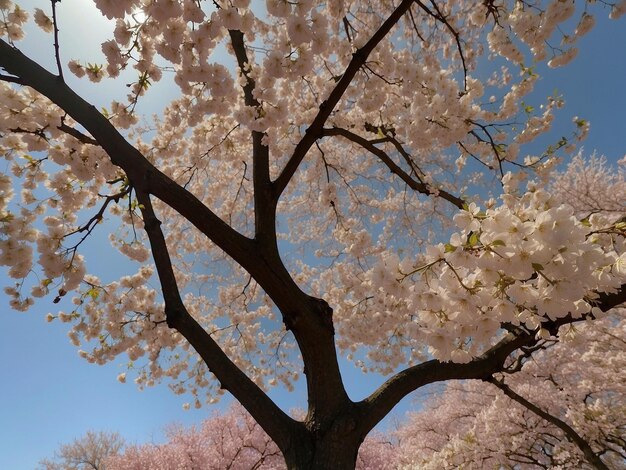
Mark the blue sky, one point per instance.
(49, 395)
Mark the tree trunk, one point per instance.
(339, 454)
(334, 449)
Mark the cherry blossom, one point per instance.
(305, 193)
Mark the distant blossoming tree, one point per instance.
(231, 440)
(564, 409)
(90, 452)
(294, 200)
(591, 186)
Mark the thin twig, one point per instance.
(57, 53)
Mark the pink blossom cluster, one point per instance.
(362, 220)
(524, 262)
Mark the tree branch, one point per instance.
(314, 131)
(57, 52)
(10, 79)
(457, 38)
(142, 174)
(379, 403)
(78, 135)
(264, 200)
(273, 420)
(309, 318)
(393, 167)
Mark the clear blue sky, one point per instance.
(49, 395)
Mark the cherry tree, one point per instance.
(592, 186)
(231, 440)
(564, 409)
(90, 452)
(321, 188)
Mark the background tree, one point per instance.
(591, 186)
(578, 382)
(371, 109)
(230, 440)
(90, 452)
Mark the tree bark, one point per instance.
(332, 448)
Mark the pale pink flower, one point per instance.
(43, 21)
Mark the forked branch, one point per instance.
(314, 131)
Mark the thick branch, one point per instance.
(310, 319)
(273, 420)
(570, 432)
(380, 403)
(314, 131)
(142, 174)
(482, 367)
(393, 167)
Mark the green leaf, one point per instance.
(497, 243)
(450, 248)
(537, 266)
(93, 293)
(473, 239)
